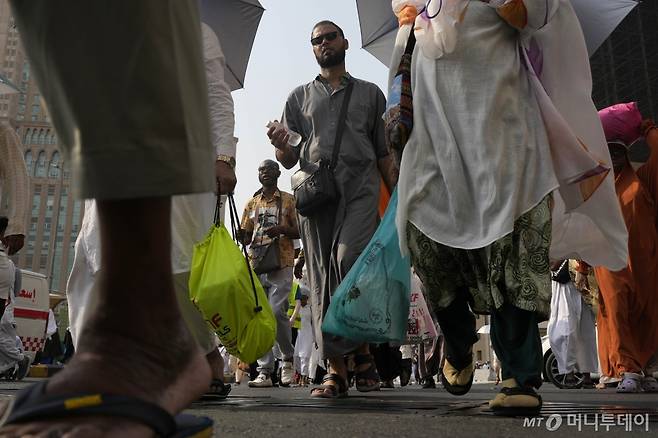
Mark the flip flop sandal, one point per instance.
(631, 383)
(649, 384)
(369, 374)
(516, 402)
(454, 388)
(33, 404)
(337, 389)
(218, 391)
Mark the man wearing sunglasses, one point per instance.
(334, 237)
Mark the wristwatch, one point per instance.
(227, 159)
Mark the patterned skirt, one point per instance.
(514, 269)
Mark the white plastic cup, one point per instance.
(294, 138)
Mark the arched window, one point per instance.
(53, 168)
(28, 161)
(40, 171)
(42, 137)
(33, 137)
(28, 136)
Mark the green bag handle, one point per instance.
(235, 229)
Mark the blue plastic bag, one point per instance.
(372, 303)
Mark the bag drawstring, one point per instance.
(236, 231)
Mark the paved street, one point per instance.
(411, 411)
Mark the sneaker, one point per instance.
(287, 373)
(262, 381)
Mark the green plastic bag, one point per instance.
(230, 297)
(371, 304)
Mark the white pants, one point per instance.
(277, 286)
(304, 363)
(571, 331)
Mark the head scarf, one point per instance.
(622, 123)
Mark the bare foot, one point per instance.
(120, 357)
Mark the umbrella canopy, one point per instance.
(485, 329)
(379, 26)
(235, 23)
(6, 87)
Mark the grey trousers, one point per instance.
(331, 246)
(277, 286)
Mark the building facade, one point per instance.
(54, 217)
(625, 68)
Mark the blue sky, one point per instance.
(282, 59)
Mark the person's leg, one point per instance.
(441, 269)
(133, 142)
(516, 341)
(279, 293)
(515, 338)
(121, 348)
(266, 363)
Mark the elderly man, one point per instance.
(269, 225)
(335, 235)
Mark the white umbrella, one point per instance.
(235, 23)
(598, 18)
(485, 329)
(6, 87)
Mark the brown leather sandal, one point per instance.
(370, 374)
(336, 389)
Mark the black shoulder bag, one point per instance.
(269, 257)
(315, 185)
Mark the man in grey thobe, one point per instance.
(334, 237)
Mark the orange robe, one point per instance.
(628, 309)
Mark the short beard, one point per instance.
(331, 61)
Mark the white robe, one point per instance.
(486, 193)
(571, 331)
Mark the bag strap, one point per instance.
(235, 228)
(341, 124)
(218, 208)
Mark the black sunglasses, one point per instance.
(320, 38)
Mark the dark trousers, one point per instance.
(514, 335)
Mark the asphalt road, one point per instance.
(416, 412)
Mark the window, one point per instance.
(28, 161)
(26, 71)
(40, 171)
(53, 168)
(42, 137)
(36, 99)
(21, 108)
(28, 136)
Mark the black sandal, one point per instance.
(218, 391)
(336, 390)
(369, 374)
